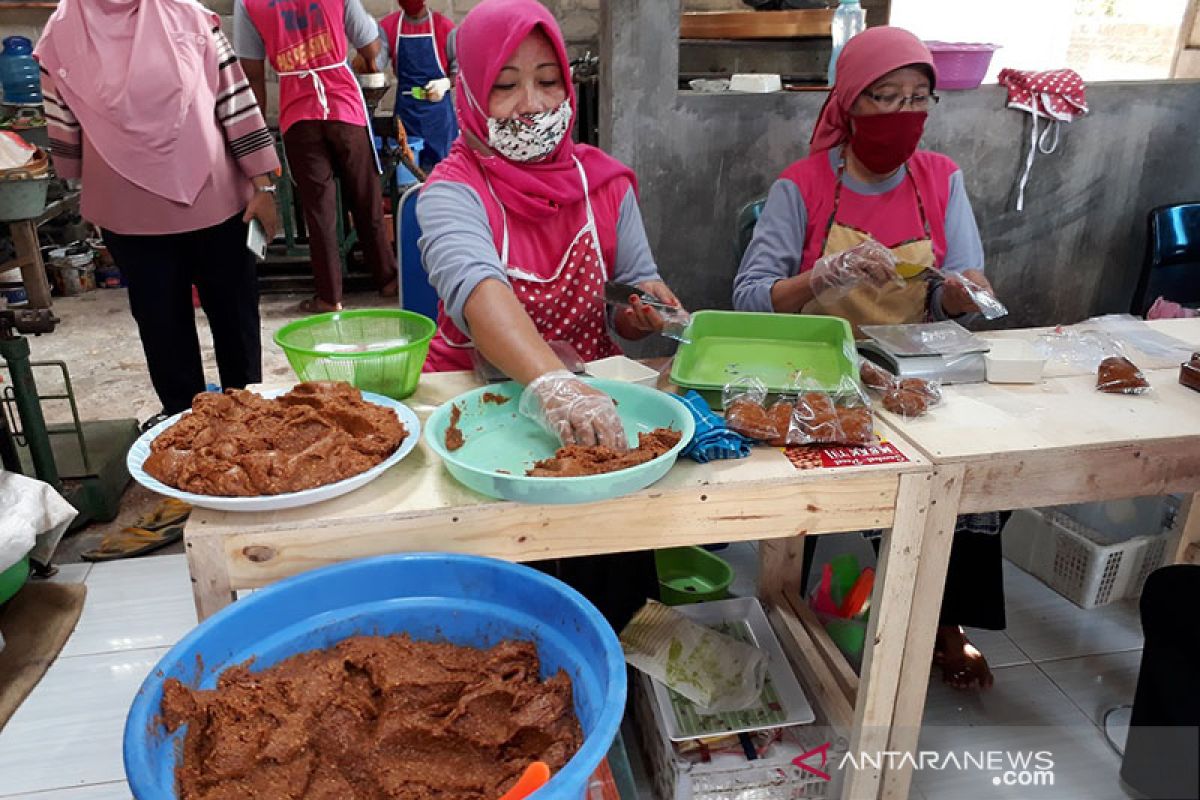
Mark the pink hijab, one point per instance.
(865, 59)
(537, 191)
(140, 75)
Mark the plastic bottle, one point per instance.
(849, 20)
(19, 72)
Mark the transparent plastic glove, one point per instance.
(868, 263)
(436, 89)
(573, 411)
(979, 293)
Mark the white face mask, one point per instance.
(532, 137)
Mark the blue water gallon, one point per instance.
(19, 72)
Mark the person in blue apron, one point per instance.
(422, 47)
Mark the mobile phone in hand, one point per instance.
(256, 240)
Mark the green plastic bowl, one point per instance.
(13, 578)
(691, 575)
(393, 369)
(500, 444)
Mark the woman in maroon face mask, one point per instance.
(868, 227)
(871, 229)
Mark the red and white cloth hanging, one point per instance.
(1058, 95)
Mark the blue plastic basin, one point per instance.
(465, 600)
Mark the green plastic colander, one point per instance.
(376, 350)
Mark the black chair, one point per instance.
(1172, 266)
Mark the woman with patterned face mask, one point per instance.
(522, 228)
(871, 229)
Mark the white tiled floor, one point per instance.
(1057, 669)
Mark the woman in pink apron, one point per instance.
(871, 229)
(521, 229)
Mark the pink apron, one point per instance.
(564, 306)
(307, 47)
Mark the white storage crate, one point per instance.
(727, 777)
(1088, 567)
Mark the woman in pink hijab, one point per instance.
(876, 231)
(147, 105)
(521, 229)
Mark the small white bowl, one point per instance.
(1013, 361)
(620, 368)
(372, 80)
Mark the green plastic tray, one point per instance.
(727, 345)
(13, 578)
(691, 575)
(501, 444)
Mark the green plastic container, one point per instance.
(13, 578)
(320, 348)
(727, 345)
(500, 444)
(691, 575)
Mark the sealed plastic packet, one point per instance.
(840, 417)
(906, 397)
(1119, 375)
(745, 411)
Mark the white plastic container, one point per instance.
(758, 84)
(620, 368)
(1013, 361)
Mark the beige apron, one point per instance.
(887, 305)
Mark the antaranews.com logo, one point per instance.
(1025, 768)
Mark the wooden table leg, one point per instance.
(1189, 541)
(780, 562)
(209, 569)
(29, 254)
(922, 628)
(891, 608)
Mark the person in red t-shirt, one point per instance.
(422, 47)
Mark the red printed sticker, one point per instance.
(833, 456)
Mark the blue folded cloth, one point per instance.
(712, 439)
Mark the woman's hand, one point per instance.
(573, 411)
(262, 208)
(640, 320)
(869, 262)
(956, 300)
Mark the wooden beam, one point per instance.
(800, 24)
(807, 661)
(1186, 61)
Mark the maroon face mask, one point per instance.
(414, 8)
(883, 142)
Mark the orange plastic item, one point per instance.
(856, 599)
(535, 777)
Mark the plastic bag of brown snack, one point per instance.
(905, 397)
(1119, 375)
(841, 417)
(745, 412)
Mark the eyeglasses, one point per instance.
(889, 102)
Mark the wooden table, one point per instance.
(29, 251)
(1005, 447)
(417, 506)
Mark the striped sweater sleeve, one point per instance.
(66, 140)
(249, 140)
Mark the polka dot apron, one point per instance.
(566, 305)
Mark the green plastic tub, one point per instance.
(376, 350)
(691, 575)
(727, 345)
(500, 444)
(13, 578)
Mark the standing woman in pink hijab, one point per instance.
(148, 106)
(521, 229)
(834, 229)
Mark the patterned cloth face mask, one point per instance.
(530, 137)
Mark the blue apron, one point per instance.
(416, 63)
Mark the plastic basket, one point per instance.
(1083, 565)
(691, 575)
(393, 371)
(961, 65)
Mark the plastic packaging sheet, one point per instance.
(716, 672)
(926, 339)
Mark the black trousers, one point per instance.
(974, 593)
(617, 584)
(160, 271)
(1162, 753)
